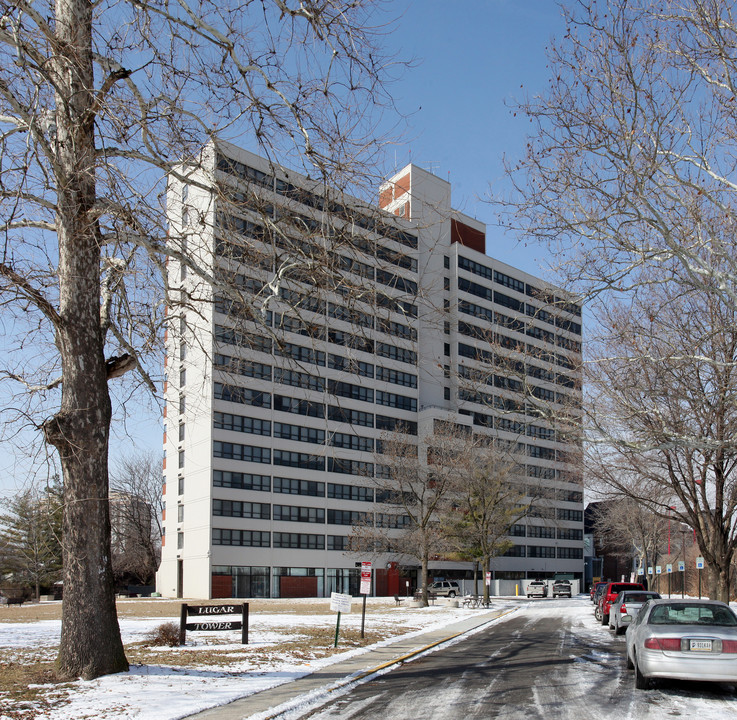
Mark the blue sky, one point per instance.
(472, 58)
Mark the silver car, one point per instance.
(626, 607)
(683, 640)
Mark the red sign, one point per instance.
(365, 578)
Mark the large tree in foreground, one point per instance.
(98, 102)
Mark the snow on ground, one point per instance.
(160, 692)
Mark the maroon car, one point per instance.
(609, 595)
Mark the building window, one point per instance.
(338, 542)
(180, 540)
(242, 538)
(446, 262)
(568, 553)
(397, 377)
(232, 508)
(352, 442)
(446, 283)
(516, 551)
(182, 404)
(241, 481)
(299, 460)
(181, 459)
(239, 423)
(573, 515)
(348, 517)
(446, 393)
(182, 377)
(180, 513)
(299, 487)
(294, 513)
(517, 530)
(298, 433)
(352, 417)
(350, 467)
(301, 541)
(246, 453)
(446, 349)
(180, 485)
(540, 551)
(350, 492)
(535, 531)
(181, 432)
(570, 534)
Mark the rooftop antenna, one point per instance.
(433, 166)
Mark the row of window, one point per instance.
(296, 541)
(516, 285)
(319, 202)
(537, 531)
(250, 368)
(307, 488)
(309, 408)
(288, 458)
(513, 304)
(544, 551)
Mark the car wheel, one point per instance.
(597, 614)
(641, 682)
(451, 594)
(630, 664)
(619, 630)
(604, 619)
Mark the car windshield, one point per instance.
(692, 614)
(638, 597)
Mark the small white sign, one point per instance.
(340, 602)
(640, 570)
(488, 579)
(669, 568)
(658, 569)
(681, 566)
(699, 563)
(649, 569)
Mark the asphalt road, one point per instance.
(548, 660)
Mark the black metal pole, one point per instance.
(183, 624)
(363, 618)
(244, 625)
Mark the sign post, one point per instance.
(699, 567)
(365, 590)
(682, 570)
(339, 602)
(669, 570)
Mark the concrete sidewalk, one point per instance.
(347, 671)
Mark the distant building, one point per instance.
(272, 430)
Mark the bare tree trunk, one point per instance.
(80, 430)
(424, 562)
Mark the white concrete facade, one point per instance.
(272, 423)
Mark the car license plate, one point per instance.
(700, 645)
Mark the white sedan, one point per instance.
(683, 640)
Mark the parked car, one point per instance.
(537, 588)
(562, 588)
(609, 595)
(626, 606)
(445, 588)
(683, 640)
(596, 591)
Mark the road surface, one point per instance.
(550, 660)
